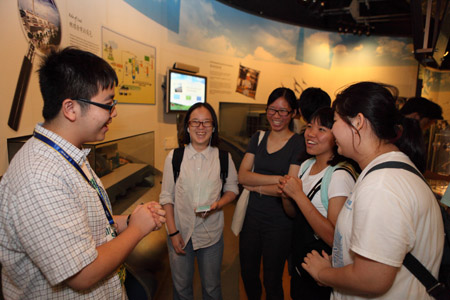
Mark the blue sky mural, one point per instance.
(164, 12)
(214, 27)
(211, 26)
(436, 81)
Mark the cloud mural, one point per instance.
(436, 81)
(211, 26)
(372, 51)
(243, 35)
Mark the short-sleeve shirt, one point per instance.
(340, 185)
(389, 213)
(269, 209)
(51, 221)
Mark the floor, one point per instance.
(232, 286)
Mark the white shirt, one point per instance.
(389, 213)
(198, 184)
(340, 185)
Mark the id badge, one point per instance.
(110, 233)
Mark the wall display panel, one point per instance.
(184, 90)
(134, 63)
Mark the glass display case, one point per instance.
(122, 160)
(237, 123)
(438, 158)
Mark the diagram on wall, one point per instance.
(247, 81)
(134, 63)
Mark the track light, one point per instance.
(356, 29)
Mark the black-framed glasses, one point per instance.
(196, 123)
(282, 112)
(105, 106)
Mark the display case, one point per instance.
(237, 123)
(122, 160)
(438, 158)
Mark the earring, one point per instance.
(214, 129)
(188, 129)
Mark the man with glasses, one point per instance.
(58, 237)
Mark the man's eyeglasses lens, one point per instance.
(281, 112)
(206, 123)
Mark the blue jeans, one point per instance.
(209, 264)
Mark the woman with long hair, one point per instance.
(314, 200)
(266, 232)
(390, 212)
(193, 233)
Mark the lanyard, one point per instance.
(77, 167)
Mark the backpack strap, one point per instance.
(317, 187)
(223, 157)
(397, 165)
(432, 285)
(306, 165)
(327, 179)
(177, 158)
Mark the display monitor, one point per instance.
(184, 90)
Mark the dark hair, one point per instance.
(311, 100)
(70, 74)
(324, 116)
(377, 103)
(288, 95)
(423, 107)
(215, 134)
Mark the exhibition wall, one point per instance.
(244, 57)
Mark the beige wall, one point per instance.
(122, 18)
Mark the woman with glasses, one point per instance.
(267, 230)
(193, 203)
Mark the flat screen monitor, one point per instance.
(184, 90)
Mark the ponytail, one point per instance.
(377, 103)
(411, 142)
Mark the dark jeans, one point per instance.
(272, 243)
